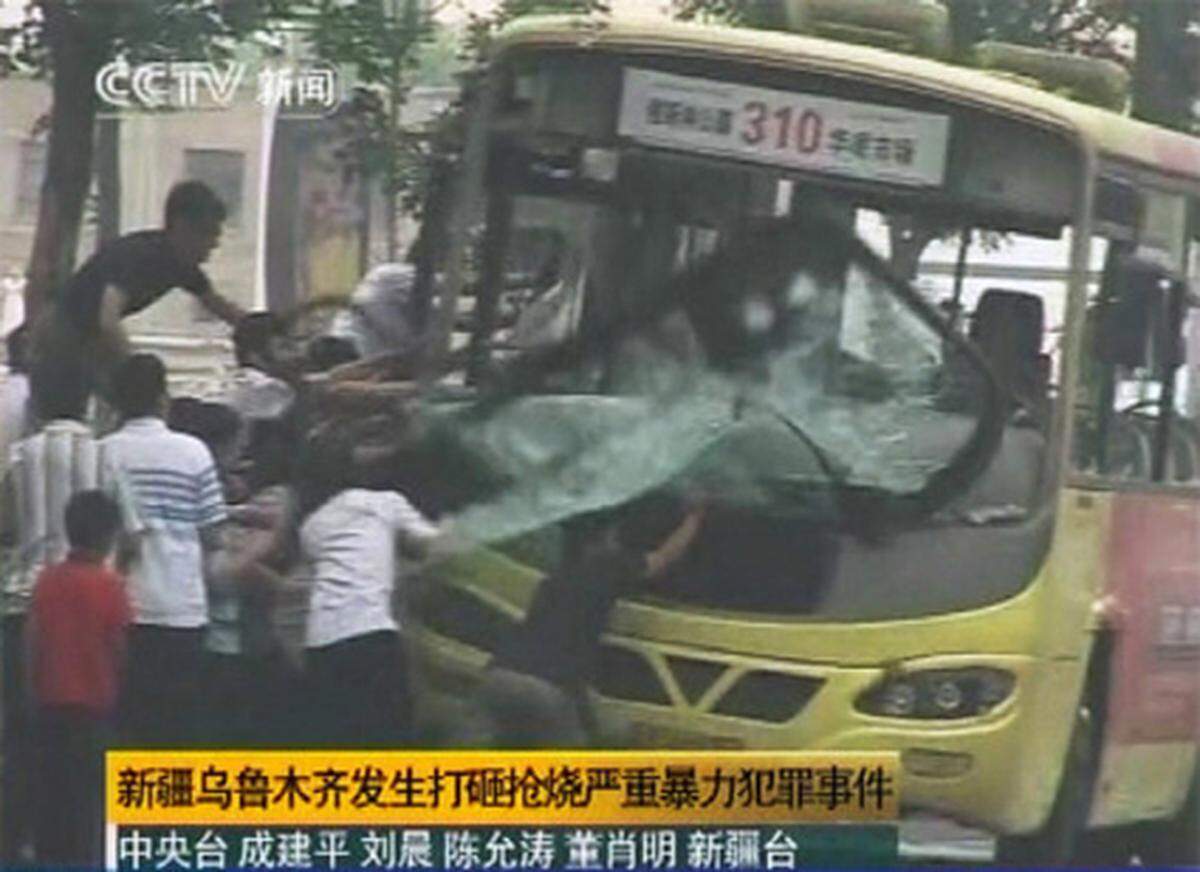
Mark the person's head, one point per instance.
(93, 522)
(139, 387)
(214, 424)
(325, 469)
(326, 352)
(192, 219)
(271, 452)
(254, 338)
(60, 389)
(16, 346)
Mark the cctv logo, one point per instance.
(161, 85)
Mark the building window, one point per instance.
(31, 168)
(222, 170)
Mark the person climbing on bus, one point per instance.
(533, 693)
(129, 274)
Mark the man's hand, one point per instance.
(224, 308)
(677, 544)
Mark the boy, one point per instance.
(76, 641)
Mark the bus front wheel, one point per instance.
(1057, 843)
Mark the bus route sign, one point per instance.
(802, 131)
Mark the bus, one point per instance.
(950, 514)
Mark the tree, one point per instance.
(69, 41)
(382, 41)
(1086, 27)
(1167, 69)
(481, 28)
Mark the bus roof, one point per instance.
(1112, 134)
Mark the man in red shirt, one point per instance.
(76, 637)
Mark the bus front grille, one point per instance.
(626, 674)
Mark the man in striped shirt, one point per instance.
(177, 494)
(43, 472)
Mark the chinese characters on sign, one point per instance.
(833, 788)
(499, 810)
(567, 848)
(801, 131)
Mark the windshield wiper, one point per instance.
(867, 512)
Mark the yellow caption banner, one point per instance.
(497, 788)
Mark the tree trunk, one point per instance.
(108, 179)
(1164, 80)
(77, 53)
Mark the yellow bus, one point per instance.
(920, 334)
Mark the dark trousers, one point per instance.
(232, 707)
(359, 694)
(160, 704)
(16, 817)
(71, 742)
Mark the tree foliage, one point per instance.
(1167, 69)
(481, 28)
(1088, 27)
(68, 41)
(1085, 26)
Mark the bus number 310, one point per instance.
(802, 131)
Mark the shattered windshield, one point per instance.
(776, 366)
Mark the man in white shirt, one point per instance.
(354, 658)
(42, 473)
(177, 492)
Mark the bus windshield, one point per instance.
(831, 363)
(777, 322)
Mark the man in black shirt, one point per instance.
(127, 275)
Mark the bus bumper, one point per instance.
(998, 771)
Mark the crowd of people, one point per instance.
(191, 573)
(148, 571)
(162, 555)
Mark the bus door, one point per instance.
(1136, 441)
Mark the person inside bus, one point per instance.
(758, 319)
(130, 273)
(532, 695)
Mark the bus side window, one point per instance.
(1186, 444)
(1133, 351)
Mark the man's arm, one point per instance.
(112, 334)
(224, 308)
(675, 545)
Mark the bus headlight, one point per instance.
(938, 694)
